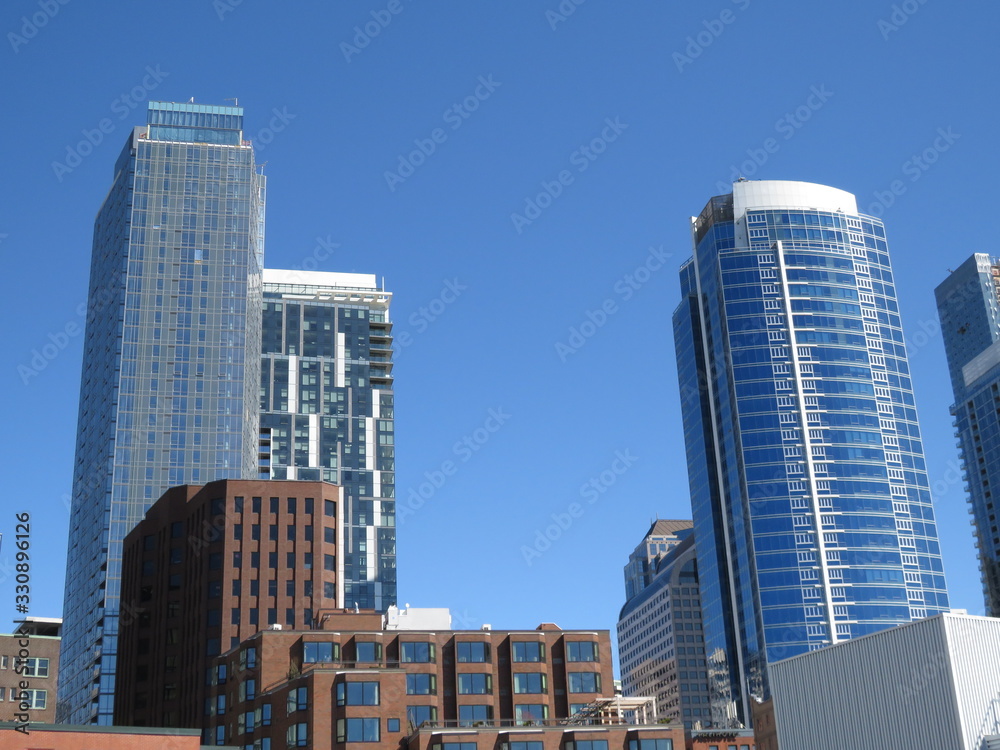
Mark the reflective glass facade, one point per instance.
(812, 513)
(969, 306)
(170, 381)
(327, 414)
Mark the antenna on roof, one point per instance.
(191, 100)
(234, 100)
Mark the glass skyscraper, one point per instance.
(812, 513)
(327, 414)
(969, 305)
(171, 364)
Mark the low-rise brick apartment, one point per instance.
(355, 683)
(30, 655)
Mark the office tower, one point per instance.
(969, 305)
(423, 685)
(663, 536)
(812, 514)
(327, 413)
(171, 378)
(209, 566)
(661, 643)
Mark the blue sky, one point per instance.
(516, 171)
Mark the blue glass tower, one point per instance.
(171, 364)
(969, 305)
(812, 513)
(327, 413)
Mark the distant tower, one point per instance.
(812, 515)
(969, 305)
(171, 374)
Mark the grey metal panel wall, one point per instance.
(975, 656)
(888, 691)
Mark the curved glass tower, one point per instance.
(810, 498)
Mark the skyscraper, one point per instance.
(171, 364)
(812, 514)
(661, 642)
(969, 305)
(327, 413)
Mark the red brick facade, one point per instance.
(356, 684)
(208, 567)
(66, 737)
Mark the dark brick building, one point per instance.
(207, 568)
(355, 682)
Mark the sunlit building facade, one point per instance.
(812, 514)
(171, 363)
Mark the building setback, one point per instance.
(932, 684)
(661, 644)
(812, 515)
(969, 306)
(208, 567)
(357, 682)
(327, 413)
(170, 382)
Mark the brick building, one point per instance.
(356, 682)
(208, 567)
(75, 737)
(36, 642)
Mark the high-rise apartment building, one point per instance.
(969, 305)
(663, 536)
(208, 567)
(171, 364)
(661, 641)
(327, 413)
(812, 515)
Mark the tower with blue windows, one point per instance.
(171, 365)
(969, 306)
(810, 499)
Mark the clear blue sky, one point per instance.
(820, 92)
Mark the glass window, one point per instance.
(421, 684)
(469, 716)
(357, 693)
(392, 725)
(584, 682)
(527, 745)
(664, 743)
(417, 715)
(529, 682)
(458, 746)
(357, 730)
(298, 699)
(587, 745)
(475, 684)
(472, 651)
(530, 713)
(315, 652)
(297, 735)
(36, 699)
(581, 651)
(527, 651)
(329, 508)
(36, 667)
(416, 652)
(368, 651)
